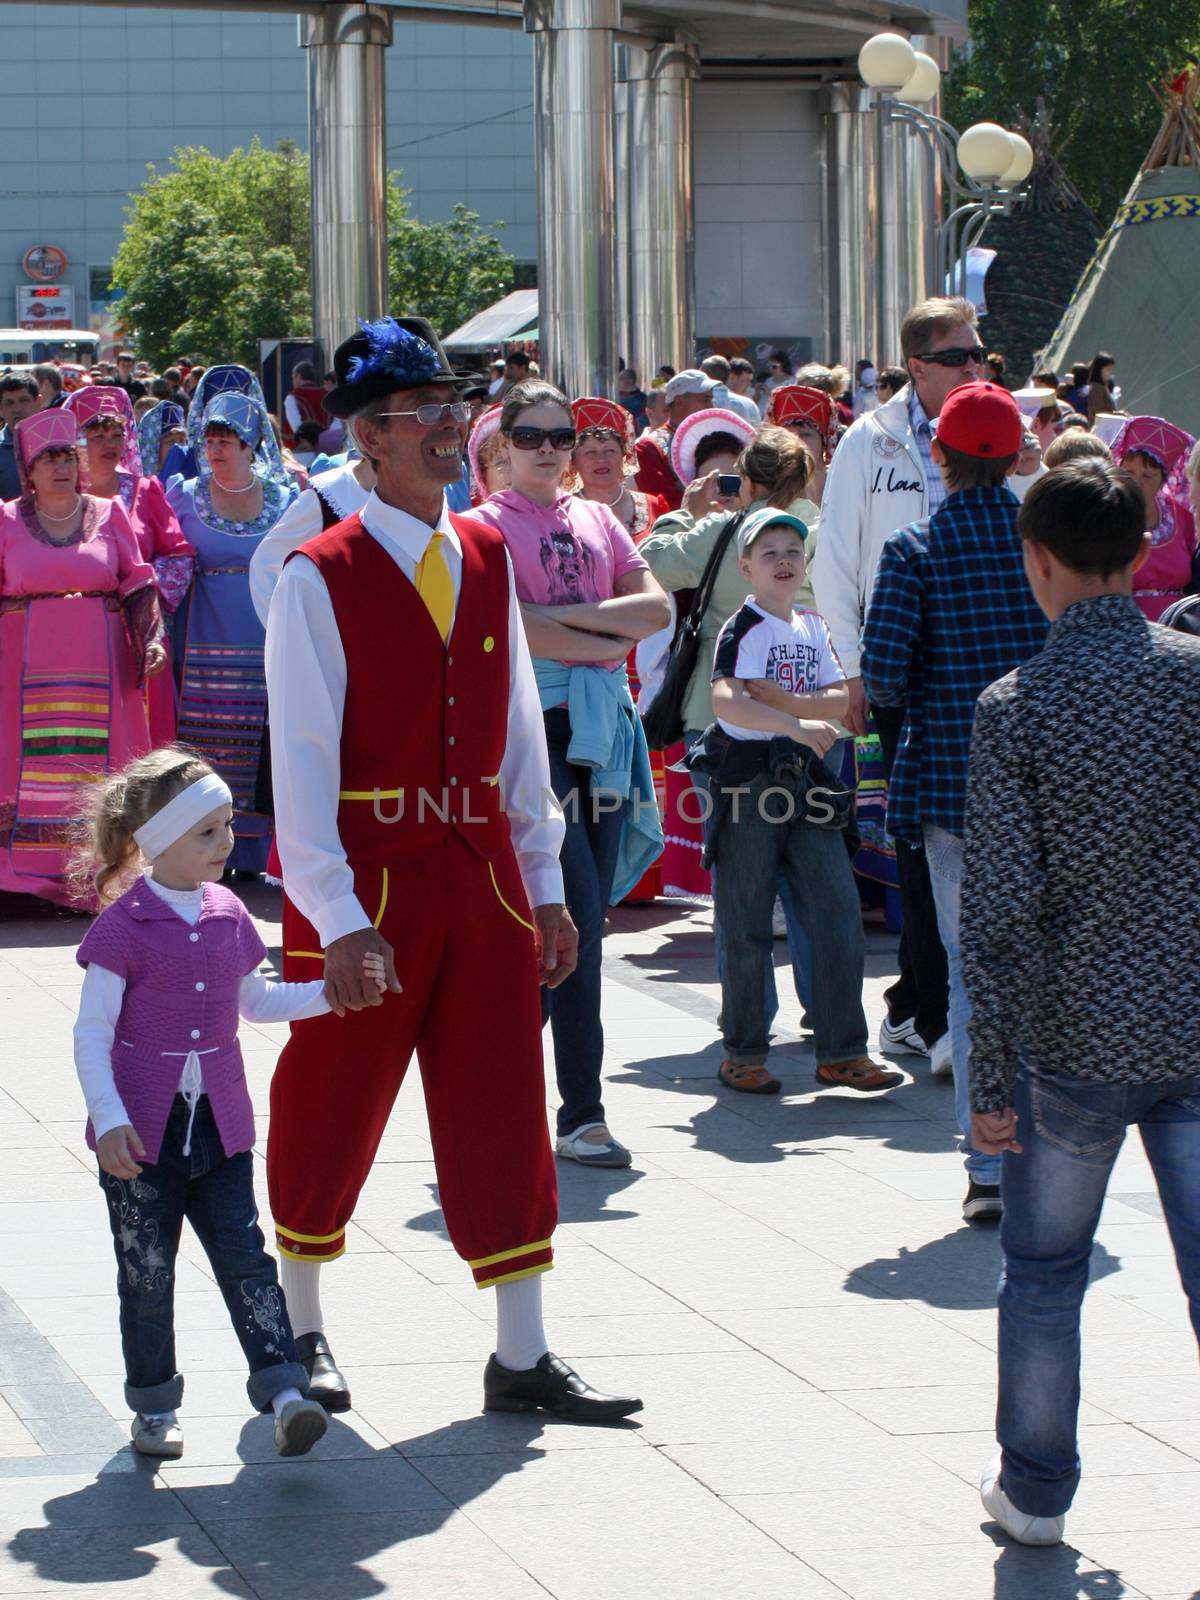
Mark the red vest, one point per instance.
(310, 397)
(424, 723)
(655, 474)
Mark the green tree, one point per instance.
(446, 271)
(1093, 61)
(215, 253)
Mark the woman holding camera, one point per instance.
(774, 469)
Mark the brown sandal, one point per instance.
(748, 1080)
(862, 1074)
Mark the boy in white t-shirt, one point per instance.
(779, 809)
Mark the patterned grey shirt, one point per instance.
(1081, 881)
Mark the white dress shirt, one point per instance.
(260, 999)
(306, 689)
(301, 522)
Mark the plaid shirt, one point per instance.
(951, 612)
(935, 489)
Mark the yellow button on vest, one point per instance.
(489, 644)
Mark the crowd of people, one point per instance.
(806, 644)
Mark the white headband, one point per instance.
(188, 808)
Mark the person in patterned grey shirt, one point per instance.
(1081, 954)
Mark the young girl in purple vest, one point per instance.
(170, 963)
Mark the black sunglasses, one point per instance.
(535, 438)
(955, 358)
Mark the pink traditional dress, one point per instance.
(76, 620)
(159, 539)
(1167, 574)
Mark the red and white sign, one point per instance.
(50, 305)
(44, 263)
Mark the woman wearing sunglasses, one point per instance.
(587, 597)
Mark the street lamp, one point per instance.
(994, 163)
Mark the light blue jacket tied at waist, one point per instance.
(606, 735)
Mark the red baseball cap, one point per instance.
(981, 419)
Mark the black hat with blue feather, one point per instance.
(383, 358)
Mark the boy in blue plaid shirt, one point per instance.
(951, 612)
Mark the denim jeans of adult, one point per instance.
(921, 990)
(589, 864)
(1071, 1130)
(799, 945)
(944, 855)
(764, 841)
(215, 1193)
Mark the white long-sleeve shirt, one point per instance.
(301, 522)
(260, 999)
(306, 689)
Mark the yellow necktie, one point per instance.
(435, 585)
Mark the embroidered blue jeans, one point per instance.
(215, 1192)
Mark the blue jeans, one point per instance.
(589, 864)
(799, 945)
(944, 855)
(215, 1192)
(765, 841)
(1071, 1130)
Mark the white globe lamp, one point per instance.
(1022, 162)
(886, 61)
(923, 85)
(985, 152)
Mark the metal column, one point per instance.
(576, 191)
(850, 225)
(347, 151)
(662, 293)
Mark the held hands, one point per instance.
(994, 1132)
(116, 1150)
(818, 736)
(855, 720)
(556, 942)
(359, 971)
(156, 660)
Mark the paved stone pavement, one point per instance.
(787, 1283)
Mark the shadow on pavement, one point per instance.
(961, 1269)
(277, 1528)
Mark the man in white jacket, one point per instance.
(883, 477)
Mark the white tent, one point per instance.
(514, 317)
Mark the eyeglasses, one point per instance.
(954, 358)
(535, 438)
(428, 416)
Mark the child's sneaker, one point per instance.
(157, 1435)
(298, 1427)
(1018, 1525)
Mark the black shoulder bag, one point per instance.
(663, 722)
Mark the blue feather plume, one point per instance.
(394, 353)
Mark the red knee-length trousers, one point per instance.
(464, 950)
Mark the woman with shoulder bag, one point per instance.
(775, 468)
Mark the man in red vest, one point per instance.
(413, 822)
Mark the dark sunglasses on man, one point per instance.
(535, 438)
(956, 357)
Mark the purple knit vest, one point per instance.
(181, 994)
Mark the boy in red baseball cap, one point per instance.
(951, 612)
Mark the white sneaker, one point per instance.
(298, 1427)
(941, 1058)
(157, 1436)
(1024, 1529)
(608, 1152)
(901, 1037)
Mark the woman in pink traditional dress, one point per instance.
(112, 469)
(79, 633)
(1155, 453)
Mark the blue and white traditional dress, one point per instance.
(222, 687)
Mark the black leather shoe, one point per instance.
(552, 1386)
(325, 1383)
